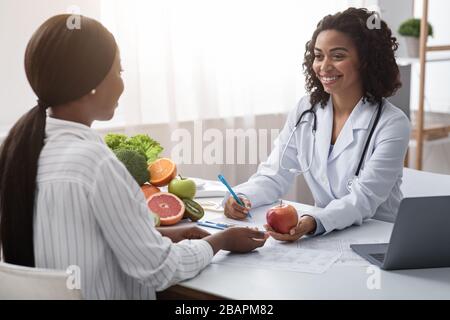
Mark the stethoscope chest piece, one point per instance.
(350, 183)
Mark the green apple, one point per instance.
(183, 188)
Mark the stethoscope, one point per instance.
(312, 111)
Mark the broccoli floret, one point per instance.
(135, 163)
(146, 145)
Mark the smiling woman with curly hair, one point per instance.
(375, 48)
(345, 137)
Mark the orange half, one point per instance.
(162, 171)
(149, 190)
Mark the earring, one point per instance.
(93, 91)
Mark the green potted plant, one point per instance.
(410, 30)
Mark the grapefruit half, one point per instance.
(167, 206)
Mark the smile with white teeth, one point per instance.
(329, 79)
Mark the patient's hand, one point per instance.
(306, 225)
(183, 232)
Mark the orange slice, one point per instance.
(162, 171)
(149, 190)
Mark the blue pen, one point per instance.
(212, 225)
(239, 201)
(224, 225)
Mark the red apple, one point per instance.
(282, 218)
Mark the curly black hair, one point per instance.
(376, 50)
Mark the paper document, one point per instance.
(238, 223)
(281, 256)
(327, 247)
(347, 256)
(209, 189)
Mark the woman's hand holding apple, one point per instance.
(233, 210)
(283, 223)
(306, 225)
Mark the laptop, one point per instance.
(420, 238)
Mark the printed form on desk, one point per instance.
(309, 254)
(347, 256)
(277, 255)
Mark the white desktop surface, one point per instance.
(338, 282)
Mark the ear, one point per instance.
(89, 98)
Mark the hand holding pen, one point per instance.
(236, 207)
(235, 211)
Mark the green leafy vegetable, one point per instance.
(115, 140)
(140, 143)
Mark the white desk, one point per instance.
(339, 282)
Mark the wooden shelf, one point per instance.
(423, 130)
(436, 126)
(433, 132)
(438, 48)
(435, 56)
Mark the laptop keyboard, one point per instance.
(378, 256)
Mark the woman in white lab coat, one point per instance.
(350, 69)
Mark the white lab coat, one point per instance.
(377, 191)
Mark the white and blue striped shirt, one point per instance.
(90, 212)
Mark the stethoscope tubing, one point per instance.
(314, 129)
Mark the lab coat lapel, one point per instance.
(359, 119)
(344, 139)
(323, 135)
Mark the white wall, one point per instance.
(394, 13)
(18, 20)
(437, 93)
